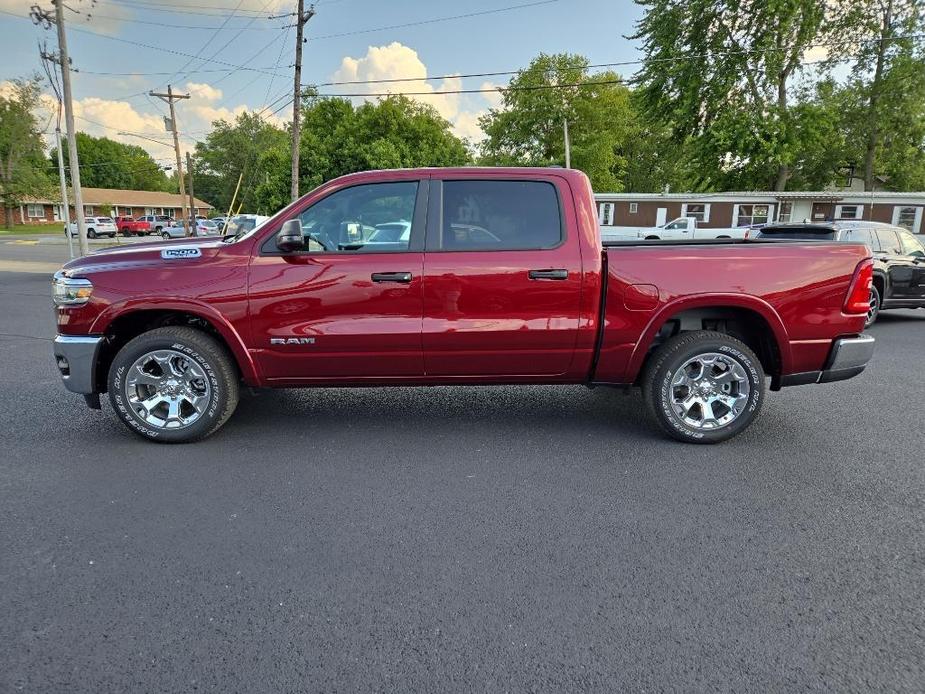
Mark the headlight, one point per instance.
(70, 292)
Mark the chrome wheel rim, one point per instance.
(167, 390)
(874, 305)
(709, 391)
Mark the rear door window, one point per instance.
(498, 216)
(862, 235)
(889, 241)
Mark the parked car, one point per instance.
(202, 227)
(157, 222)
(173, 331)
(129, 226)
(220, 221)
(899, 258)
(675, 230)
(243, 223)
(96, 227)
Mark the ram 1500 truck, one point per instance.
(456, 276)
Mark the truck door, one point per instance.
(502, 278)
(349, 305)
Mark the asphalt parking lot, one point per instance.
(444, 539)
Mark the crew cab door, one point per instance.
(348, 306)
(502, 278)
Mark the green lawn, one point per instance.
(26, 229)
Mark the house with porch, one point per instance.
(121, 203)
(723, 210)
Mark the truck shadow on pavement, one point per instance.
(495, 411)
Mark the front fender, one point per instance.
(249, 370)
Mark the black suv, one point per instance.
(899, 257)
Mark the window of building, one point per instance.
(785, 211)
(849, 211)
(500, 215)
(746, 215)
(35, 211)
(698, 211)
(605, 214)
(375, 217)
(88, 210)
(634, 207)
(907, 217)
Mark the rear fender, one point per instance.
(741, 301)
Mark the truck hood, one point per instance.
(191, 251)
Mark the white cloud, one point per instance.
(203, 91)
(396, 61)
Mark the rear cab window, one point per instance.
(497, 215)
(798, 233)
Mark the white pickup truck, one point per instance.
(675, 230)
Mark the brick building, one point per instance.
(122, 203)
(720, 210)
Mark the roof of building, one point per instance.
(127, 198)
(831, 195)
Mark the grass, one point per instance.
(29, 229)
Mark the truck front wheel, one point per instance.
(173, 385)
(703, 386)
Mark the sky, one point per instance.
(192, 44)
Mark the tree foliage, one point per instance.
(721, 71)
(23, 170)
(528, 128)
(105, 163)
(230, 150)
(339, 138)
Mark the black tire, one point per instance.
(653, 238)
(205, 351)
(668, 359)
(158, 230)
(126, 233)
(91, 233)
(874, 311)
(112, 236)
(165, 236)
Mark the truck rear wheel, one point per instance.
(703, 386)
(173, 385)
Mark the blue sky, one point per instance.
(340, 47)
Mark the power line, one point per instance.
(217, 10)
(432, 21)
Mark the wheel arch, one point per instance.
(122, 323)
(747, 318)
(880, 282)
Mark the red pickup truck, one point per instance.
(129, 226)
(456, 276)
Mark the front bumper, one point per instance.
(848, 358)
(76, 357)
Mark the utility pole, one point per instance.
(67, 213)
(568, 146)
(301, 20)
(192, 197)
(170, 97)
(42, 18)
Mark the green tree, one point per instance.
(339, 138)
(23, 170)
(721, 72)
(528, 129)
(230, 150)
(885, 104)
(105, 163)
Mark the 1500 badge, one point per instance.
(292, 340)
(184, 252)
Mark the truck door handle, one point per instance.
(402, 277)
(558, 274)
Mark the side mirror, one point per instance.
(289, 238)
